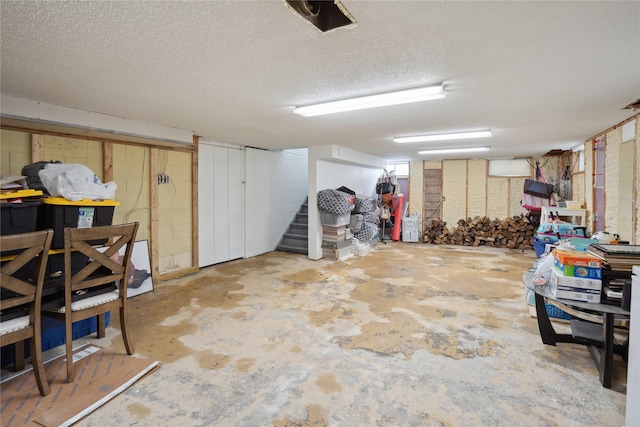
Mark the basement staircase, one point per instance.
(296, 238)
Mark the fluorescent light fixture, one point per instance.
(454, 150)
(380, 100)
(443, 136)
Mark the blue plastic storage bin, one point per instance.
(538, 246)
(555, 312)
(53, 335)
(53, 330)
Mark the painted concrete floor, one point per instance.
(409, 335)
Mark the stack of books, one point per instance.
(337, 242)
(617, 265)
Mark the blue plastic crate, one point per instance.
(555, 312)
(53, 335)
(538, 246)
(53, 330)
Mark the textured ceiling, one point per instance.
(542, 75)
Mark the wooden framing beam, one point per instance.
(154, 215)
(107, 161)
(195, 252)
(151, 143)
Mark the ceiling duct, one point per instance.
(324, 15)
(635, 105)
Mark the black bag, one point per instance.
(538, 188)
(383, 187)
(347, 190)
(31, 172)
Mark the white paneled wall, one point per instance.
(276, 186)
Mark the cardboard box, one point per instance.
(577, 271)
(576, 294)
(559, 280)
(573, 288)
(577, 258)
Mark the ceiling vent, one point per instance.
(555, 152)
(635, 105)
(324, 15)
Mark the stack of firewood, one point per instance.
(514, 232)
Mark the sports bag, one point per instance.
(535, 203)
(31, 172)
(367, 232)
(334, 201)
(538, 188)
(364, 206)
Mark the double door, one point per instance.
(220, 203)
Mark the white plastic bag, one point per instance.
(75, 182)
(544, 266)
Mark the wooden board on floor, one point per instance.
(100, 375)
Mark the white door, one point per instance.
(220, 203)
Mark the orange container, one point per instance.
(576, 258)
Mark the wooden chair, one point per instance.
(102, 269)
(24, 296)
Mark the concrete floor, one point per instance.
(409, 335)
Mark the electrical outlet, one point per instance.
(163, 179)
